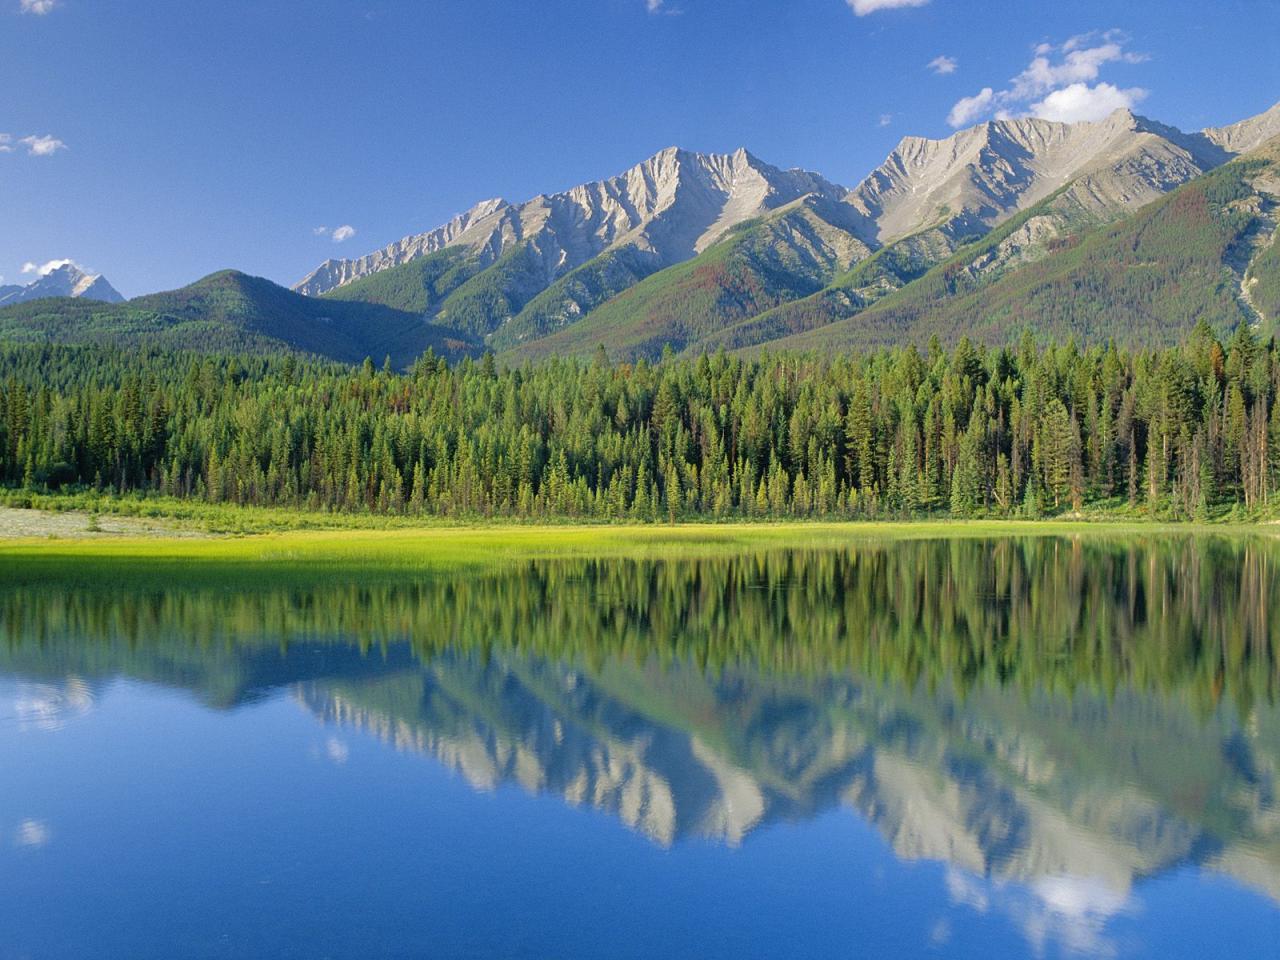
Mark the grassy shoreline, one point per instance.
(103, 541)
(199, 516)
(424, 549)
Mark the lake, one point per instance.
(1011, 747)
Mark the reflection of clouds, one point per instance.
(336, 750)
(1074, 911)
(1078, 896)
(32, 834)
(1069, 912)
(48, 706)
(967, 890)
(940, 935)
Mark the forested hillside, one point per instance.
(1183, 432)
(232, 312)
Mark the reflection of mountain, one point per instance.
(1032, 788)
(557, 731)
(1072, 714)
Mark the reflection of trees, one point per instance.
(1032, 709)
(1157, 613)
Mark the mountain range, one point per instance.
(61, 278)
(1123, 228)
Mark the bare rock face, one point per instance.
(477, 224)
(978, 177)
(672, 206)
(572, 252)
(1247, 135)
(62, 279)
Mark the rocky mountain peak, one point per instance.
(62, 278)
(983, 174)
(670, 206)
(1247, 134)
(563, 254)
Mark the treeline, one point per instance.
(1026, 430)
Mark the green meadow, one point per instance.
(397, 551)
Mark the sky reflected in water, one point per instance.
(865, 753)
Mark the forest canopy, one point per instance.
(1024, 430)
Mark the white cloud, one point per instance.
(38, 7)
(885, 119)
(1058, 84)
(42, 146)
(943, 65)
(969, 109)
(46, 268)
(864, 7)
(1079, 897)
(36, 146)
(319, 231)
(1080, 64)
(344, 232)
(1083, 102)
(32, 833)
(968, 890)
(654, 6)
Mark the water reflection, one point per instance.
(1078, 794)
(31, 834)
(49, 706)
(1056, 720)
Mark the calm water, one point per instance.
(959, 749)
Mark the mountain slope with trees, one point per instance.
(728, 253)
(229, 312)
(1147, 279)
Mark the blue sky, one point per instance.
(159, 141)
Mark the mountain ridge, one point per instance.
(61, 278)
(516, 274)
(703, 252)
(585, 220)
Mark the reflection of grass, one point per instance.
(309, 555)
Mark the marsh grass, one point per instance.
(308, 556)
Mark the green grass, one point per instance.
(394, 551)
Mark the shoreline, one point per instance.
(35, 541)
(82, 517)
